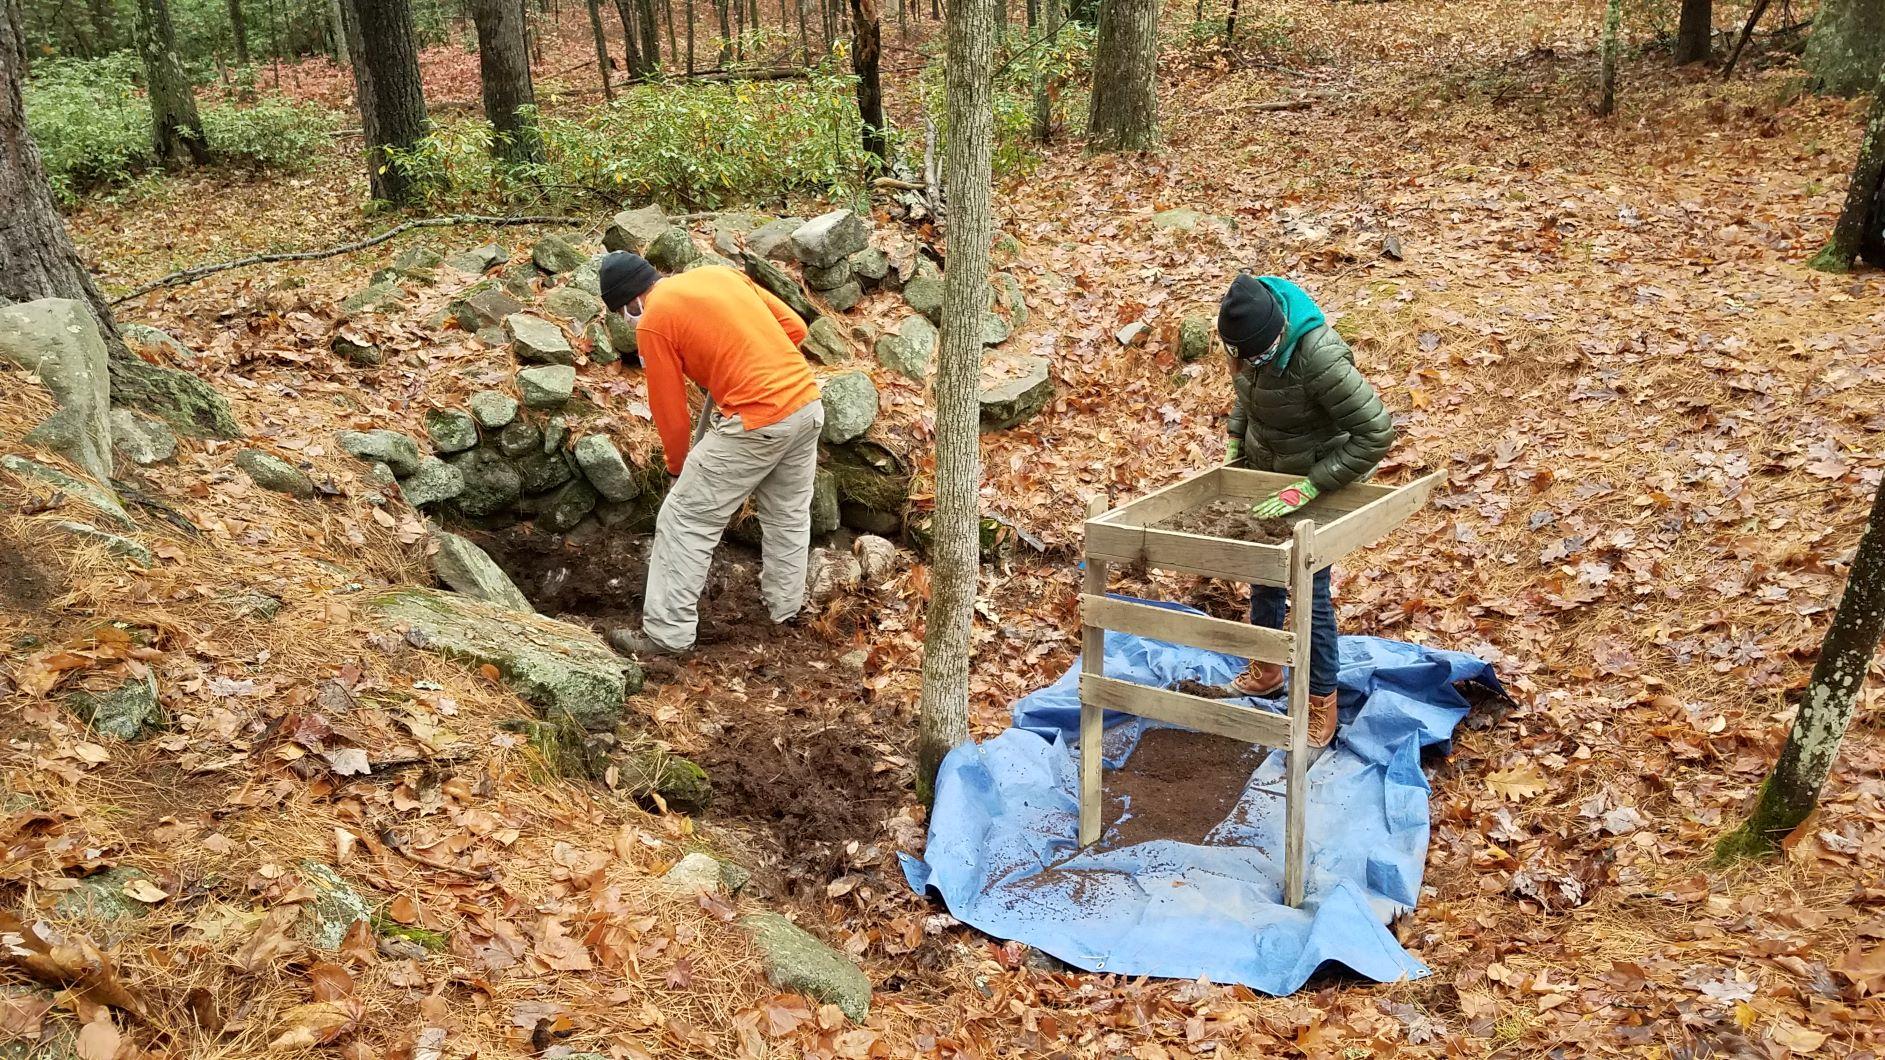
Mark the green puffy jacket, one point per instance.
(1317, 417)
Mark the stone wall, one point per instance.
(540, 450)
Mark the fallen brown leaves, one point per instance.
(1658, 430)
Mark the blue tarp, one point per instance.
(1008, 809)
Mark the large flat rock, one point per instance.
(564, 670)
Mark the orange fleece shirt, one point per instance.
(739, 343)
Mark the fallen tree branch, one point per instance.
(1280, 104)
(898, 184)
(784, 73)
(192, 275)
(1747, 31)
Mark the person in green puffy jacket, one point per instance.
(1302, 409)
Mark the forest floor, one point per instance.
(1659, 429)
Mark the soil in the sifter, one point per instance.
(1177, 785)
(1230, 517)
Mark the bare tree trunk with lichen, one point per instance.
(1124, 112)
(37, 259)
(1613, 29)
(176, 131)
(510, 100)
(1792, 790)
(1861, 225)
(1847, 45)
(956, 549)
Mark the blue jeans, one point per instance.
(1269, 604)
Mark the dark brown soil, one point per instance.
(24, 584)
(1177, 785)
(1199, 688)
(1229, 517)
(771, 714)
(601, 579)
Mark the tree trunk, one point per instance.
(667, 16)
(805, 37)
(638, 68)
(1230, 26)
(239, 29)
(866, 51)
(1613, 29)
(1847, 46)
(726, 30)
(104, 26)
(650, 37)
(504, 68)
(1792, 790)
(338, 23)
(1124, 115)
(176, 131)
(1695, 32)
(602, 48)
(37, 259)
(1861, 225)
(955, 551)
(1052, 17)
(690, 36)
(387, 85)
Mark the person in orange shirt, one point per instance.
(761, 425)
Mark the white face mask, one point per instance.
(632, 312)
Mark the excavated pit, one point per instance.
(802, 762)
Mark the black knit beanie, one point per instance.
(1250, 318)
(624, 278)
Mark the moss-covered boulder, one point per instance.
(180, 399)
(130, 711)
(564, 670)
(1194, 337)
(101, 902)
(851, 404)
(645, 768)
(92, 495)
(556, 255)
(1014, 392)
(334, 909)
(782, 285)
(273, 473)
(797, 961)
(633, 230)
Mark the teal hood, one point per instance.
(1301, 316)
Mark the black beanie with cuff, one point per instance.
(1250, 317)
(625, 277)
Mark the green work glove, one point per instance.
(1286, 500)
(1236, 451)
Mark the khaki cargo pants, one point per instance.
(775, 466)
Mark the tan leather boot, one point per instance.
(1321, 720)
(1261, 679)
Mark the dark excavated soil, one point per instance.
(786, 756)
(1229, 517)
(1177, 785)
(24, 584)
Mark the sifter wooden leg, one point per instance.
(1301, 621)
(1092, 715)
